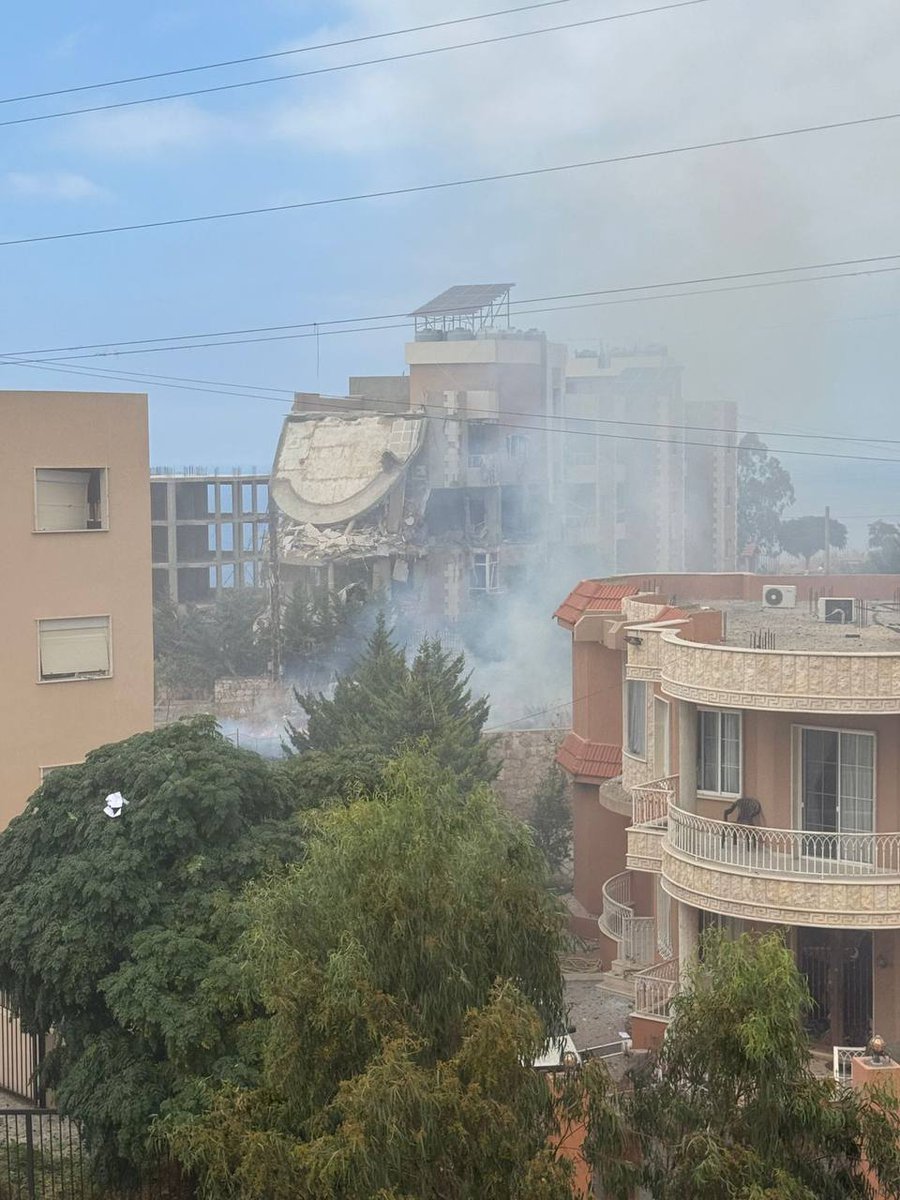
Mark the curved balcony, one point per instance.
(780, 680)
(784, 876)
(636, 936)
(650, 808)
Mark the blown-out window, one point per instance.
(636, 717)
(74, 648)
(69, 500)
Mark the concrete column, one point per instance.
(688, 937)
(687, 755)
(172, 539)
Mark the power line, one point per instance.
(444, 185)
(251, 58)
(353, 66)
(613, 291)
(545, 429)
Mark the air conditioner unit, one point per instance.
(784, 596)
(837, 610)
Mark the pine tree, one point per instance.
(384, 705)
(551, 818)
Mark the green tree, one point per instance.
(764, 492)
(802, 537)
(730, 1109)
(196, 644)
(119, 933)
(550, 818)
(385, 704)
(884, 547)
(409, 965)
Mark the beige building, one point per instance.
(734, 754)
(78, 639)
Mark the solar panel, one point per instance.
(465, 297)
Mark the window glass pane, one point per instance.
(74, 648)
(262, 497)
(226, 537)
(819, 780)
(708, 751)
(226, 497)
(636, 716)
(211, 538)
(247, 497)
(247, 536)
(857, 782)
(730, 751)
(249, 574)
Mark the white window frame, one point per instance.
(797, 768)
(701, 791)
(641, 755)
(491, 572)
(92, 678)
(104, 499)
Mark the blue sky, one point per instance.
(815, 357)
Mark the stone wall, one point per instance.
(247, 698)
(527, 754)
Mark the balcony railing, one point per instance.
(635, 935)
(651, 801)
(654, 989)
(783, 851)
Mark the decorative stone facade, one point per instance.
(784, 681)
(870, 903)
(645, 848)
(527, 755)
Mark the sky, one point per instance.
(813, 357)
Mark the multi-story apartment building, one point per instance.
(735, 754)
(648, 480)
(208, 531)
(434, 488)
(78, 645)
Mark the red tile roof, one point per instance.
(671, 614)
(589, 760)
(593, 595)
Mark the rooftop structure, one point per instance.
(758, 722)
(462, 310)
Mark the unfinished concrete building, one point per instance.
(209, 533)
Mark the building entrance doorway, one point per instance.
(837, 966)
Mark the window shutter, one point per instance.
(74, 646)
(62, 499)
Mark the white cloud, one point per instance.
(51, 185)
(146, 131)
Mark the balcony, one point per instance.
(780, 680)
(635, 936)
(654, 989)
(783, 876)
(650, 807)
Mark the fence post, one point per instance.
(29, 1157)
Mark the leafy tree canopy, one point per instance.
(119, 933)
(385, 703)
(551, 818)
(884, 547)
(409, 965)
(764, 492)
(802, 537)
(730, 1108)
(197, 644)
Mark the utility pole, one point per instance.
(827, 540)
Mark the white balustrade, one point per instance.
(651, 801)
(783, 851)
(654, 988)
(636, 935)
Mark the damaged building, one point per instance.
(490, 461)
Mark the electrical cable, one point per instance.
(321, 325)
(547, 429)
(417, 189)
(338, 67)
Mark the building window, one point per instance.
(517, 446)
(837, 782)
(74, 648)
(262, 497)
(69, 500)
(636, 717)
(226, 538)
(247, 537)
(226, 497)
(228, 575)
(211, 538)
(249, 574)
(261, 530)
(719, 752)
(486, 571)
(247, 497)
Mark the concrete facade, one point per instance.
(78, 642)
(759, 751)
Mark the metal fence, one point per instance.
(42, 1157)
(21, 1056)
